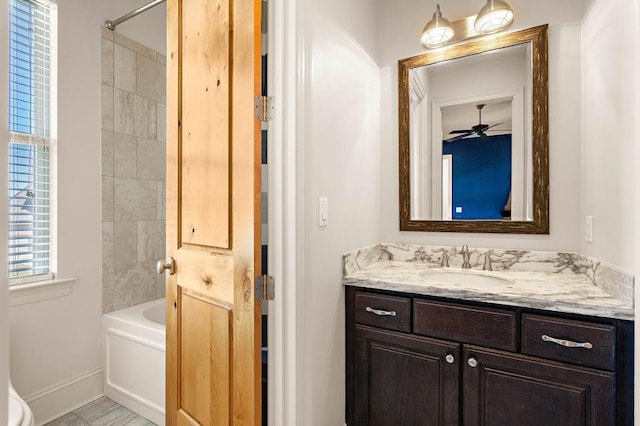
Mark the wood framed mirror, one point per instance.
(473, 136)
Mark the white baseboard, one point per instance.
(60, 399)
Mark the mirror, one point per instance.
(474, 136)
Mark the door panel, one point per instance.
(213, 212)
(204, 132)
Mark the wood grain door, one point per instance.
(213, 220)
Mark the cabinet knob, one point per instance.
(450, 359)
(473, 363)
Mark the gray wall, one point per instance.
(133, 171)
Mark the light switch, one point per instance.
(458, 209)
(323, 211)
(588, 229)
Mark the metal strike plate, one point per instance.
(265, 288)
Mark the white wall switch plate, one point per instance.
(458, 209)
(588, 229)
(323, 211)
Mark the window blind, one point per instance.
(31, 36)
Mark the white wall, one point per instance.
(341, 163)
(610, 143)
(609, 130)
(55, 344)
(400, 22)
(4, 292)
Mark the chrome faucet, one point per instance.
(487, 262)
(444, 261)
(465, 257)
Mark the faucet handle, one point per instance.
(487, 262)
(444, 261)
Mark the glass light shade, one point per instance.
(437, 32)
(495, 16)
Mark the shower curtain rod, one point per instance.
(112, 24)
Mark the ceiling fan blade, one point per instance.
(493, 125)
(455, 138)
(461, 131)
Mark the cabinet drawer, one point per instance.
(595, 342)
(494, 328)
(390, 312)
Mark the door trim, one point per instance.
(288, 82)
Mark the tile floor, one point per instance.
(101, 412)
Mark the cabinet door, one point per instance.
(404, 380)
(509, 389)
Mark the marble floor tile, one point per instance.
(68, 420)
(101, 412)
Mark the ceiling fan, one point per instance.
(479, 129)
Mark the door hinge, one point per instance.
(264, 108)
(265, 288)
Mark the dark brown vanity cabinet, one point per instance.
(413, 360)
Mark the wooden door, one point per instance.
(404, 380)
(213, 220)
(510, 389)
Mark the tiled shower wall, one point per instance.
(133, 171)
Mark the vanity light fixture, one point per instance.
(437, 32)
(494, 16)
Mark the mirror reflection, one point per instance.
(473, 136)
(470, 142)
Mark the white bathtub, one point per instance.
(134, 350)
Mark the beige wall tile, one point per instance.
(124, 155)
(107, 244)
(151, 79)
(161, 120)
(123, 112)
(133, 45)
(107, 107)
(134, 115)
(161, 286)
(150, 238)
(160, 200)
(151, 158)
(107, 152)
(106, 33)
(144, 118)
(134, 199)
(108, 283)
(107, 62)
(124, 68)
(107, 198)
(135, 285)
(124, 245)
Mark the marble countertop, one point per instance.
(551, 291)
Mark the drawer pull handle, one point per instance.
(380, 312)
(450, 359)
(473, 363)
(567, 343)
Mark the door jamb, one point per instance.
(288, 83)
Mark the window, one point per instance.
(32, 133)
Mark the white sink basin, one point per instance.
(465, 277)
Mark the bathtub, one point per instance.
(133, 341)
